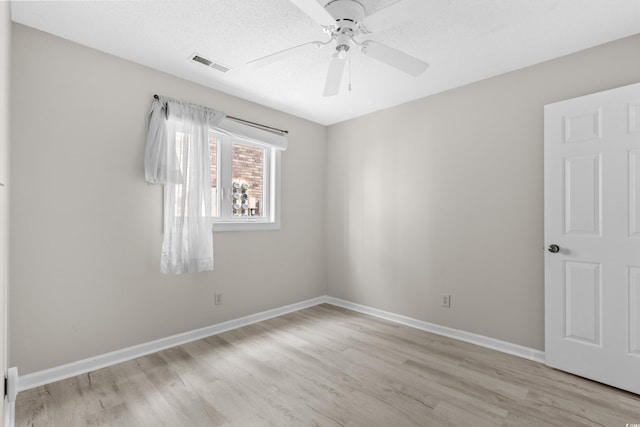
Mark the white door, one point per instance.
(592, 217)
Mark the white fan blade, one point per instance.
(334, 76)
(399, 12)
(390, 56)
(278, 56)
(316, 11)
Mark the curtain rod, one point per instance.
(250, 123)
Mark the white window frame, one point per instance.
(271, 185)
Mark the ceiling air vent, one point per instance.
(209, 63)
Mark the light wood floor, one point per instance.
(326, 366)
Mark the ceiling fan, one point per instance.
(343, 21)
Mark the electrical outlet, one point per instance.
(217, 299)
(446, 301)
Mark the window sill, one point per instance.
(245, 226)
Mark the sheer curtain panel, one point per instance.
(177, 157)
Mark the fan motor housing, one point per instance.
(348, 15)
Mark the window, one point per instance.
(245, 161)
(244, 182)
(245, 178)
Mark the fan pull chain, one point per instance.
(349, 71)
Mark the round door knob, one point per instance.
(554, 249)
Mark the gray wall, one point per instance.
(437, 196)
(444, 195)
(86, 228)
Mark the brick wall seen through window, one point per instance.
(247, 166)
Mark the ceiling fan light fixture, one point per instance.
(344, 21)
(343, 44)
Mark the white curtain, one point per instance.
(177, 156)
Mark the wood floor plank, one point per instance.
(327, 366)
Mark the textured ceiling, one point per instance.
(462, 40)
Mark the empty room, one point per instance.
(320, 213)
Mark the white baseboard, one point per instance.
(80, 367)
(9, 413)
(481, 340)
